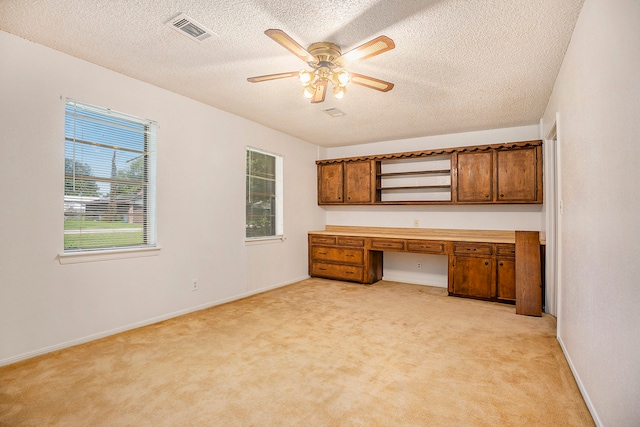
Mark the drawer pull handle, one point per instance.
(322, 269)
(349, 272)
(322, 253)
(350, 255)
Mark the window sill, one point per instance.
(107, 255)
(264, 240)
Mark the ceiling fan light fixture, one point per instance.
(339, 91)
(328, 62)
(309, 91)
(342, 78)
(305, 77)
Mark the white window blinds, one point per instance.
(109, 179)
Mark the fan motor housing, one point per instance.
(325, 52)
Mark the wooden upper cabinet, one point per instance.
(330, 183)
(358, 182)
(475, 177)
(517, 175)
(346, 182)
(484, 174)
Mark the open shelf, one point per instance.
(425, 172)
(414, 187)
(424, 179)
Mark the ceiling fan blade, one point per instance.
(321, 91)
(290, 44)
(371, 48)
(259, 79)
(371, 82)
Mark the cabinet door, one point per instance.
(475, 177)
(358, 180)
(472, 276)
(506, 279)
(330, 181)
(517, 179)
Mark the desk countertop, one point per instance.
(488, 236)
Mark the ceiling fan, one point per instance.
(328, 62)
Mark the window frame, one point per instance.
(113, 120)
(278, 195)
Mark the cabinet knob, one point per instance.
(501, 264)
(502, 195)
(486, 263)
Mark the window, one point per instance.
(109, 180)
(264, 195)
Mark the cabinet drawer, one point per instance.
(351, 256)
(472, 249)
(426, 246)
(387, 244)
(337, 271)
(323, 240)
(351, 241)
(506, 250)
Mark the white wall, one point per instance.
(597, 97)
(403, 267)
(201, 202)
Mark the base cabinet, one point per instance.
(506, 273)
(344, 258)
(477, 270)
(471, 271)
(484, 271)
(472, 277)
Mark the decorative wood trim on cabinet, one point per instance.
(436, 152)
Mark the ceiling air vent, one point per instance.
(190, 28)
(334, 112)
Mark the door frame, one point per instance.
(553, 219)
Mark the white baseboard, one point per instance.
(581, 387)
(415, 279)
(140, 324)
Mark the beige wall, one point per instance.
(200, 206)
(597, 98)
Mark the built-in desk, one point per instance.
(492, 265)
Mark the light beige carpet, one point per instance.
(315, 353)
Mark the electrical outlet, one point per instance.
(419, 265)
(416, 223)
(194, 285)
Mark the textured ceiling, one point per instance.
(458, 65)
